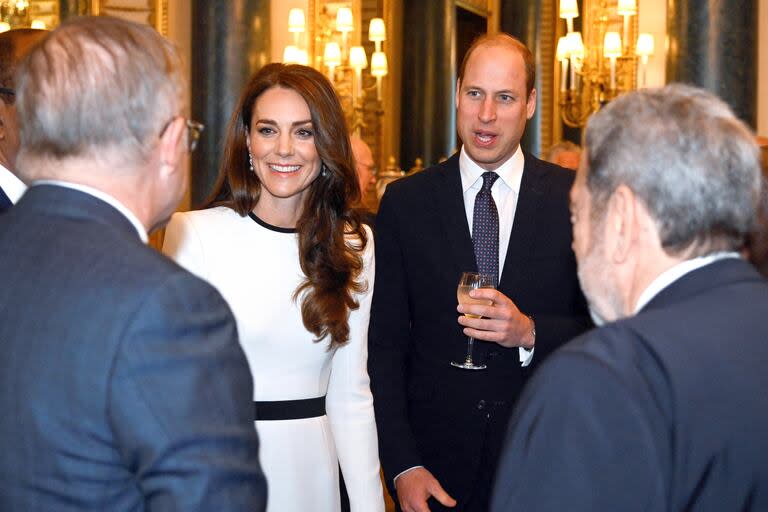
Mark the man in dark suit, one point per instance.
(14, 44)
(665, 408)
(122, 380)
(441, 427)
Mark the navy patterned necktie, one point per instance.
(485, 228)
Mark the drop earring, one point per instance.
(323, 170)
(250, 161)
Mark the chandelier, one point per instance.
(333, 53)
(17, 14)
(594, 73)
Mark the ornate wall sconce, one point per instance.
(331, 49)
(594, 72)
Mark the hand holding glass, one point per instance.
(471, 281)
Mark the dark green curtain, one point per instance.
(230, 42)
(428, 82)
(713, 44)
(522, 20)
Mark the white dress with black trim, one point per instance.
(256, 268)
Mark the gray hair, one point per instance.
(683, 152)
(98, 87)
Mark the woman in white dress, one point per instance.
(282, 244)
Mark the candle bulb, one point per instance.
(358, 61)
(296, 24)
(626, 29)
(562, 56)
(573, 74)
(612, 50)
(377, 32)
(379, 69)
(575, 47)
(644, 49)
(626, 8)
(569, 9)
(345, 25)
(332, 58)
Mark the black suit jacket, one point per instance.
(5, 201)
(122, 382)
(429, 413)
(666, 410)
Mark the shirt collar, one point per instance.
(510, 172)
(672, 274)
(98, 194)
(13, 187)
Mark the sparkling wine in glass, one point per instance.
(471, 281)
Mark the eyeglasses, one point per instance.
(194, 129)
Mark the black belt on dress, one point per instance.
(289, 409)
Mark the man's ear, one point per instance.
(171, 145)
(622, 223)
(458, 92)
(530, 105)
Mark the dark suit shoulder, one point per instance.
(558, 175)
(423, 180)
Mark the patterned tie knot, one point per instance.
(489, 178)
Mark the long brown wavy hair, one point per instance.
(327, 223)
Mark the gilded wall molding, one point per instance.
(148, 12)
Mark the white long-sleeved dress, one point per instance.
(255, 267)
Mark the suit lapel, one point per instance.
(529, 204)
(450, 205)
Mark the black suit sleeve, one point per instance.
(582, 439)
(389, 343)
(554, 330)
(180, 404)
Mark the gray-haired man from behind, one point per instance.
(122, 380)
(665, 407)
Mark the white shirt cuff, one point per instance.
(404, 472)
(526, 356)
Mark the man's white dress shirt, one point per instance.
(505, 192)
(13, 187)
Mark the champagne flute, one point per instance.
(471, 281)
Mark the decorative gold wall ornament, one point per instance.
(603, 64)
(332, 45)
(148, 12)
(41, 14)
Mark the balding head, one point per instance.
(100, 103)
(98, 87)
(14, 45)
(507, 41)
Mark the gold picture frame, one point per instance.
(148, 12)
